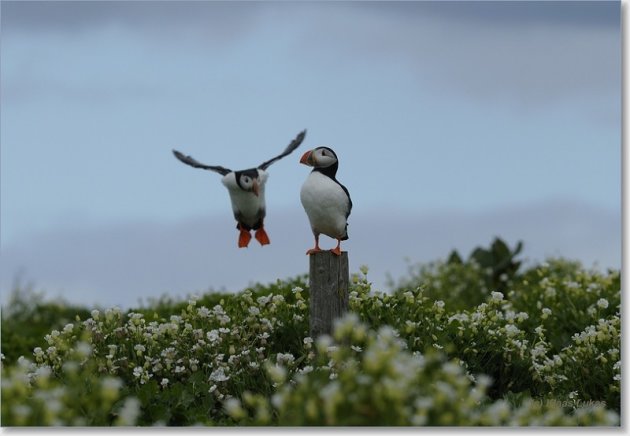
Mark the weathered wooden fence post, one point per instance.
(328, 281)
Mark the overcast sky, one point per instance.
(454, 122)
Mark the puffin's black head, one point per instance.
(247, 180)
(322, 159)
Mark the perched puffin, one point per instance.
(326, 201)
(247, 192)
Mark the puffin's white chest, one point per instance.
(326, 205)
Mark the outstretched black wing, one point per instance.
(292, 146)
(188, 160)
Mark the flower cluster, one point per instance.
(33, 395)
(518, 338)
(386, 384)
(201, 346)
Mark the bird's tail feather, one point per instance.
(345, 237)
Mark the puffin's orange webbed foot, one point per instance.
(244, 238)
(315, 249)
(336, 251)
(262, 237)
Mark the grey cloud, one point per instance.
(226, 19)
(510, 13)
(74, 15)
(527, 54)
(523, 54)
(125, 263)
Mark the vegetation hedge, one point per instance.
(476, 341)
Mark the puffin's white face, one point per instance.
(248, 183)
(320, 157)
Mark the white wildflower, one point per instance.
(511, 330)
(84, 349)
(277, 373)
(277, 299)
(43, 372)
(550, 292)
(219, 375)
(288, 358)
(203, 312)
(129, 412)
(111, 386)
(461, 317)
(323, 342)
(484, 381)
(306, 369)
(602, 303)
(263, 300)
(538, 350)
(234, 409)
(253, 310)
(213, 336)
(497, 296)
(193, 364)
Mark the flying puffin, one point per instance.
(247, 192)
(326, 201)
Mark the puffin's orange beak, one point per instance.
(255, 188)
(307, 158)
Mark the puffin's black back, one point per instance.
(331, 171)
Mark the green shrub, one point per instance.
(27, 317)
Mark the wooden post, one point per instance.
(329, 278)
